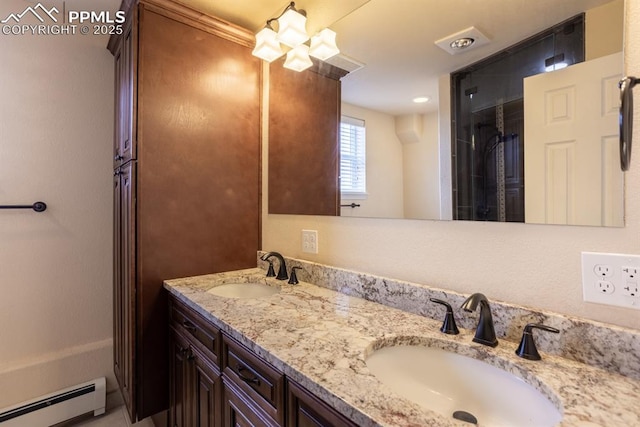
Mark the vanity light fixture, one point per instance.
(293, 35)
(323, 45)
(298, 58)
(292, 27)
(267, 45)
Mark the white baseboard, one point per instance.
(55, 371)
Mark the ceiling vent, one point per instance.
(344, 62)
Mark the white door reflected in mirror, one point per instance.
(572, 167)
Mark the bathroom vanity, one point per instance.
(299, 356)
(215, 380)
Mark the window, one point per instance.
(352, 157)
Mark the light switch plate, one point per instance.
(611, 279)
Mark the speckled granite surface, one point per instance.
(321, 338)
(605, 346)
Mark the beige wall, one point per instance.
(402, 177)
(604, 29)
(56, 126)
(533, 265)
(421, 172)
(384, 166)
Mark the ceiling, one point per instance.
(253, 14)
(395, 38)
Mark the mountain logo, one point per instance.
(34, 11)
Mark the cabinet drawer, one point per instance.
(260, 381)
(306, 410)
(239, 411)
(203, 334)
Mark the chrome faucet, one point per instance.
(485, 332)
(282, 270)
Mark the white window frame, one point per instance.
(353, 158)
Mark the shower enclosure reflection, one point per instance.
(469, 162)
(488, 152)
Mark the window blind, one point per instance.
(352, 156)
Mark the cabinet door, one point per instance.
(127, 76)
(118, 113)
(124, 282)
(206, 391)
(124, 56)
(118, 307)
(179, 394)
(195, 395)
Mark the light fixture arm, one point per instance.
(290, 6)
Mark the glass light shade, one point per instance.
(291, 28)
(267, 45)
(298, 58)
(323, 45)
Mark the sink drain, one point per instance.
(465, 416)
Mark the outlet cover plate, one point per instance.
(310, 241)
(608, 279)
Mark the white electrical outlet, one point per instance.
(603, 270)
(612, 279)
(630, 273)
(604, 287)
(310, 241)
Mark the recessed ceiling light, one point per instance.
(462, 43)
(421, 99)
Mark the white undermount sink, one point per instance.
(448, 383)
(244, 290)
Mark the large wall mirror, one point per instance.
(485, 145)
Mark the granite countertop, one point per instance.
(320, 338)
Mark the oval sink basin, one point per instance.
(449, 383)
(243, 290)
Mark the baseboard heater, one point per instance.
(57, 407)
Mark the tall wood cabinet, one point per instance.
(304, 146)
(186, 176)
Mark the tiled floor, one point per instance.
(115, 416)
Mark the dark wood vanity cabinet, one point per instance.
(254, 390)
(196, 383)
(216, 381)
(186, 161)
(306, 410)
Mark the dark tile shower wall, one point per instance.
(479, 91)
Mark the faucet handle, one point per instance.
(527, 348)
(449, 324)
(271, 272)
(293, 279)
